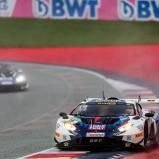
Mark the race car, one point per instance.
(12, 78)
(97, 122)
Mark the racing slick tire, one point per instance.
(24, 87)
(67, 148)
(146, 135)
(157, 135)
(152, 136)
(64, 148)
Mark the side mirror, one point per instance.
(63, 115)
(149, 115)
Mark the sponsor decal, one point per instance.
(95, 134)
(57, 135)
(57, 125)
(140, 127)
(7, 7)
(96, 127)
(95, 140)
(125, 10)
(128, 138)
(7, 83)
(3, 4)
(69, 9)
(66, 144)
(142, 10)
(64, 137)
(116, 134)
(6, 78)
(139, 135)
(106, 103)
(97, 120)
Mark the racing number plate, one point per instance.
(7, 83)
(95, 140)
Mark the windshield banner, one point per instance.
(140, 10)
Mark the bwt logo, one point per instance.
(71, 9)
(143, 10)
(3, 4)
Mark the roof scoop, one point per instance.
(112, 98)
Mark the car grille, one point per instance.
(102, 121)
(7, 74)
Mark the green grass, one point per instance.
(55, 33)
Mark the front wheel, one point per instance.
(64, 148)
(145, 135)
(24, 87)
(157, 135)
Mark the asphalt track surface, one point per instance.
(27, 119)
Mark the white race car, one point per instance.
(12, 78)
(97, 122)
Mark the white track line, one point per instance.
(37, 153)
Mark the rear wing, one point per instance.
(144, 101)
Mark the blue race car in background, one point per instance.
(97, 122)
(12, 78)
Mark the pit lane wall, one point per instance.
(140, 10)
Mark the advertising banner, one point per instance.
(140, 10)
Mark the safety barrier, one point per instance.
(140, 10)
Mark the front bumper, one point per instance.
(86, 142)
(14, 87)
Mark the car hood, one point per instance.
(108, 125)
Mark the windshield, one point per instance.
(104, 110)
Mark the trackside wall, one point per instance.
(140, 10)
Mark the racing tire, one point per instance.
(24, 87)
(146, 135)
(64, 148)
(152, 136)
(157, 135)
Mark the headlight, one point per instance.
(20, 79)
(69, 126)
(125, 127)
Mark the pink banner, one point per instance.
(142, 10)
